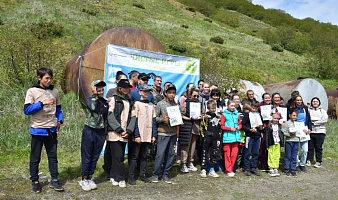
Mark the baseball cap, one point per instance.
(98, 83)
(169, 87)
(144, 88)
(143, 76)
(123, 83)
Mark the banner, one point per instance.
(177, 69)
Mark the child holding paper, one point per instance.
(291, 145)
(189, 132)
(274, 141)
(252, 125)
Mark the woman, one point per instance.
(318, 119)
(303, 116)
(215, 95)
(184, 95)
(263, 153)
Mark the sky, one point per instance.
(322, 10)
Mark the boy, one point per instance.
(145, 133)
(211, 129)
(166, 138)
(43, 103)
(93, 134)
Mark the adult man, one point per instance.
(251, 98)
(142, 80)
(157, 90)
(133, 78)
(119, 75)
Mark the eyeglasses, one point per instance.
(195, 96)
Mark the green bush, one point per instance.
(45, 29)
(191, 9)
(138, 5)
(223, 53)
(217, 39)
(90, 11)
(178, 48)
(277, 47)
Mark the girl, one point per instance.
(291, 145)
(318, 118)
(121, 126)
(274, 141)
(189, 133)
(215, 95)
(263, 153)
(230, 124)
(303, 116)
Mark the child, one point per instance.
(210, 129)
(253, 131)
(121, 126)
(274, 142)
(166, 136)
(93, 134)
(145, 133)
(43, 103)
(291, 145)
(230, 124)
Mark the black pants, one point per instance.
(50, 143)
(316, 145)
(107, 160)
(138, 152)
(117, 150)
(240, 155)
(91, 147)
(209, 152)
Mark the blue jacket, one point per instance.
(135, 96)
(231, 120)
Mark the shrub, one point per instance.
(45, 29)
(178, 48)
(217, 39)
(191, 9)
(184, 26)
(92, 12)
(223, 53)
(138, 5)
(207, 20)
(277, 47)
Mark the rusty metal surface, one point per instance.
(93, 62)
(332, 96)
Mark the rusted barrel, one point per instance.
(308, 88)
(93, 57)
(254, 86)
(332, 96)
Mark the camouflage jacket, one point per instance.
(97, 109)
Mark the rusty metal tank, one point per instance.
(256, 87)
(332, 96)
(92, 57)
(308, 88)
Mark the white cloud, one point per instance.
(322, 10)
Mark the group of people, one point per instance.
(135, 113)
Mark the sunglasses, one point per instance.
(195, 96)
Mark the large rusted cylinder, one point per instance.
(308, 88)
(254, 86)
(93, 57)
(332, 96)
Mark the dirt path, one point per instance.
(316, 184)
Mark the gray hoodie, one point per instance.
(290, 138)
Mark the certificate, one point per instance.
(174, 115)
(300, 127)
(266, 112)
(283, 112)
(195, 110)
(255, 119)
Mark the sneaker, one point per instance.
(122, 184)
(184, 169)
(113, 182)
(144, 179)
(308, 163)
(213, 174)
(154, 179)
(294, 174)
(203, 173)
(276, 172)
(92, 184)
(317, 165)
(247, 172)
(231, 174)
(56, 185)
(85, 185)
(191, 167)
(303, 169)
(287, 173)
(255, 172)
(131, 181)
(298, 169)
(272, 173)
(166, 179)
(36, 187)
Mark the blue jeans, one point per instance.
(164, 155)
(251, 148)
(290, 157)
(304, 147)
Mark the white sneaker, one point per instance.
(122, 184)
(115, 183)
(317, 165)
(231, 174)
(213, 174)
(203, 173)
(191, 167)
(308, 163)
(85, 185)
(276, 172)
(92, 184)
(272, 172)
(184, 169)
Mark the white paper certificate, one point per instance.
(255, 119)
(266, 112)
(283, 112)
(174, 115)
(195, 110)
